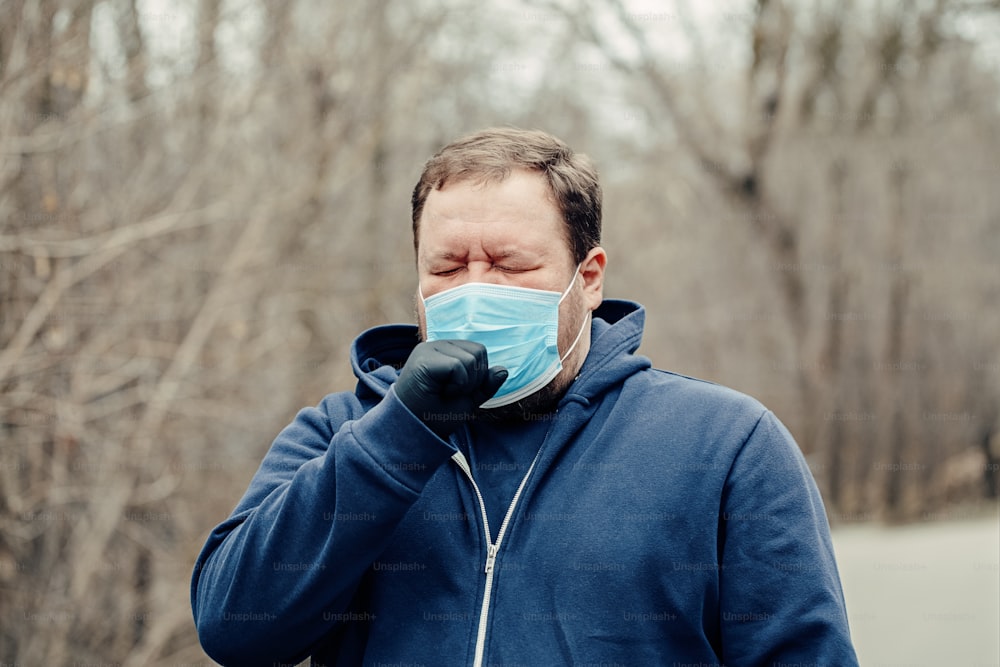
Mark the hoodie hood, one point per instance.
(615, 335)
(379, 353)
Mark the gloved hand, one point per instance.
(443, 381)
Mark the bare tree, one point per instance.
(188, 245)
(834, 148)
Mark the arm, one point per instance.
(781, 599)
(272, 579)
(316, 515)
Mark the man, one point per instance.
(526, 490)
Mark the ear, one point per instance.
(592, 269)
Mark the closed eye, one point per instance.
(507, 268)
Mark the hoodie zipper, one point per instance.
(492, 547)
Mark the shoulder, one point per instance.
(695, 393)
(327, 416)
(694, 414)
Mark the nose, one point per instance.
(479, 271)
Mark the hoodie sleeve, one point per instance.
(781, 599)
(273, 579)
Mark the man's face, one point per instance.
(509, 233)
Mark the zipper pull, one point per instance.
(491, 558)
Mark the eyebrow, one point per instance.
(506, 253)
(447, 255)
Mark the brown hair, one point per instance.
(489, 156)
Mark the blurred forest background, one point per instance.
(202, 202)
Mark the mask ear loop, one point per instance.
(582, 326)
(577, 339)
(576, 272)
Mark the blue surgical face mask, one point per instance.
(519, 327)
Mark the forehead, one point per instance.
(516, 212)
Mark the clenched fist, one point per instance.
(444, 380)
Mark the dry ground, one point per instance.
(926, 594)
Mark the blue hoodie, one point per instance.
(664, 521)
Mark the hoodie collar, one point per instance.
(615, 335)
(616, 331)
(378, 354)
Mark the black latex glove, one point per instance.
(443, 381)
